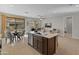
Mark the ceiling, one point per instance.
(35, 10)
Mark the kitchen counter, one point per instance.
(47, 35)
(44, 43)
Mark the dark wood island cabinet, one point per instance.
(43, 44)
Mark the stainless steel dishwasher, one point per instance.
(30, 39)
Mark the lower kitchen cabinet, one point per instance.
(40, 44)
(45, 46)
(35, 42)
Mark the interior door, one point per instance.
(68, 26)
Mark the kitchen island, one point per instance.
(43, 43)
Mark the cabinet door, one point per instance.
(35, 42)
(39, 46)
(45, 45)
(51, 45)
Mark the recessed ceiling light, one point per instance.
(76, 5)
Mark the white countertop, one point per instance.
(47, 35)
(51, 35)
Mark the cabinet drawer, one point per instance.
(35, 42)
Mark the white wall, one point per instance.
(58, 22)
(27, 29)
(75, 24)
(27, 25)
(75, 28)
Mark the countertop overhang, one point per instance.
(46, 35)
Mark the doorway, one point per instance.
(68, 27)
